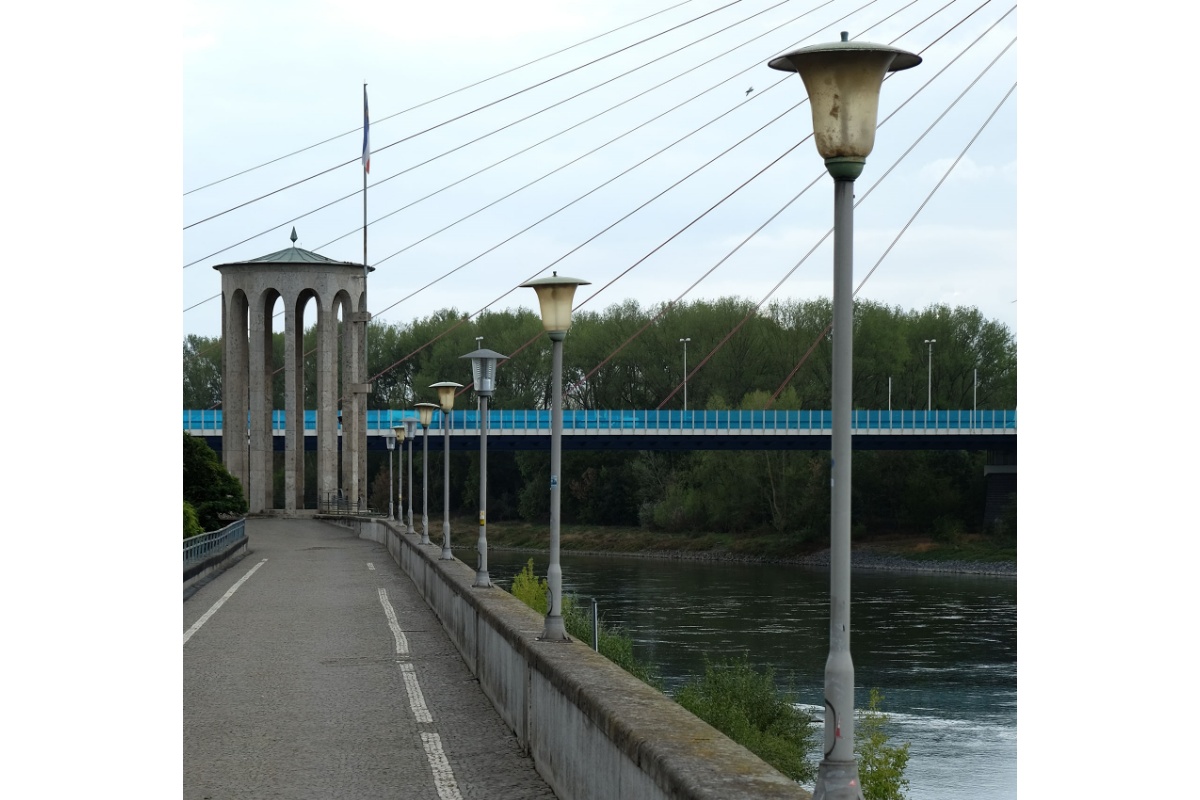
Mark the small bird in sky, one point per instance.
(748, 91)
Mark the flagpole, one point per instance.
(366, 169)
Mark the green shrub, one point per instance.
(191, 523)
(746, 706)
(880, 765)
(529, 590)
(208, 486)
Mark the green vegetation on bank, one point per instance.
(988, 548)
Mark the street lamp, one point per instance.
(483, 373)
(425, 411)
(390, 438)
(399, 433)
(929, 384)
(685, 341)
(555, 296)
(410, 426)
(843, 80)
(445, 390)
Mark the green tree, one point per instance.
(881, 765)
(208, 486)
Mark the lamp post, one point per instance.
(685, 341)
(483, 373)
(390, 438)
(843, 80)
(445, 390)
(929, 384)
(400, 434)
(410, 425)
(425, 411)
(555, 295)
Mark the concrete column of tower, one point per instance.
(260, 406)
(327, 431)
(293, 408)
(235, 388)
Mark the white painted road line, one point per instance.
(443, 776)
(415, 698)
(393, 623)
(221, 602)
(370, 566)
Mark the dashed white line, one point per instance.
(443, 776)
(415, 698)
(221, 602)
(393, 623)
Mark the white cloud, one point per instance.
(967, 171)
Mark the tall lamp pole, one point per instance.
(390, 438)
(929, 383)
(410, 425)
(445, 390)
(425, 411)
(555, 295)
(685, 341)
(483, 373)
(400, 434)
(843, 80)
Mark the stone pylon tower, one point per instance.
(249, 294)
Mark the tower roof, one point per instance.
(293, 255)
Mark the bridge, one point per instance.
(990, 430)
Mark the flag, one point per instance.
(366, 155)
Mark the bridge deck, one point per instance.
(294, 687)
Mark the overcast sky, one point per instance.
(265, 79)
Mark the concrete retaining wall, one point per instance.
(593, 730)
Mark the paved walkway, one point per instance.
(325, 675)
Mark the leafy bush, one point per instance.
(746, 706)
(208, 486)
(191, 523)
(880, 765)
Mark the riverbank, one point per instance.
(968, 554)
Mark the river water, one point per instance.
(942, 649)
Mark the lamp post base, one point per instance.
(482, 580)
(554, 631)
(838, 780)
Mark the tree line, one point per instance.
(630, 357)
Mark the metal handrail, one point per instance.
(197, 548)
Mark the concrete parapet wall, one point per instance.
(594, 731)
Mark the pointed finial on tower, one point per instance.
(294, 237)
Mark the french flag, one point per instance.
(366, 154)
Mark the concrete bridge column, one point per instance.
(362, 389)
(327, 430)
(234, 382)
(293, 393)
(261, 445)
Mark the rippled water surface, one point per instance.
(941, 648)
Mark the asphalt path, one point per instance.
(313, 669)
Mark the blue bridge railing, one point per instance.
(210, 421)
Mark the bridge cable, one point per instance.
(461, 116)
(434, 100)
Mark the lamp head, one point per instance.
(425, 412)
(399, 431)
(445, 390)
(483, 370)
(410, 425)
(390, 439)
(556, 296)
(843, 80)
